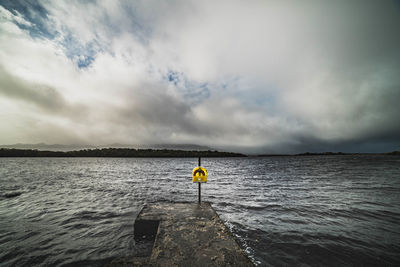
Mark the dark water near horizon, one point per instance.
(283, 211)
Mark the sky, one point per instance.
(245, 76)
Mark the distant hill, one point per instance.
(60, 147)
(180, 147)
(52, 147)
(115, 152)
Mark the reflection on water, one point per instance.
(330, 211)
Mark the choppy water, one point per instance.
(316, 211)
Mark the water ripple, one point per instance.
(310, 211)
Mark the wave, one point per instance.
(11, 194)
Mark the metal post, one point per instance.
(199, 183)
(199, 193)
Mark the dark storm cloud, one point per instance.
(39, 95)
(259, 76)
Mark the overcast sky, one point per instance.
(248, 76)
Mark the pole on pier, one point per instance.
(199, 193)
(199, 183)
(199, 176)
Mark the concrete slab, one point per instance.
(187, 234)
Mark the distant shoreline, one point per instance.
(116, 153)
(158, 153)
(393, 153)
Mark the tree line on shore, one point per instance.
(115, 152)
(152, 153)
(393, 153)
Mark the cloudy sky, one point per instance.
(248, 76)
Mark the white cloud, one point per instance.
(270, 74)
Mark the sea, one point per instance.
(340, 210)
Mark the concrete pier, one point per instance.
(185, 234)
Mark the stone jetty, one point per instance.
(184, 234)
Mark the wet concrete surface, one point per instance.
(185, 234)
